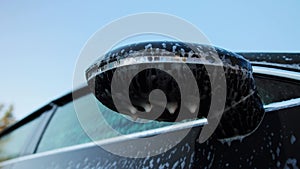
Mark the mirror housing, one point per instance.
(243, 107)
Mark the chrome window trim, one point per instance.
(147, 133)
(279, 73)
(162, 130)
(276, 72)
(282, 105)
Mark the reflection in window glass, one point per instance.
(65, 130)
(271, 90)
(12, 144)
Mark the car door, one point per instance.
(65, 144)
(274, 144)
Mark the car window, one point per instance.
(12, 144)
(65, 120)
(273, 89)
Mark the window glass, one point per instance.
(12, 144)
(65, 119)
(275, 90)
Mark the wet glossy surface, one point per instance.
(243, 108)
(270, 146)
(275, 144)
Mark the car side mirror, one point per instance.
(243, 109)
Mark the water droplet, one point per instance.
(293, 139)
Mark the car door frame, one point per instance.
(49, 110)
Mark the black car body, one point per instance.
(52, 136)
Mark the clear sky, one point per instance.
(40, 41)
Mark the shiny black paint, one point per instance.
(244, 109)
(269, 146)
(259, 150)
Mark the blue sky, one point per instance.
(40, 41)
